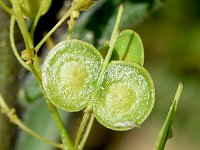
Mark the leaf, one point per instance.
(30, 91)
(129, 47)
(70, 74)
(104, 14)
(104, 49)
(126, 96)
(30, 8)
(166, 128)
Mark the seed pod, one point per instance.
(70, 74)
(126, 96)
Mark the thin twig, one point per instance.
(35, 22)
(12, 41)
(15, 119)
(5, 7)
(68, 13)
(22, 24)
(88, 115)
(86, 134)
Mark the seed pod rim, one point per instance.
(53, 53)
(130, 124)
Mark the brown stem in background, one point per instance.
(9, 82)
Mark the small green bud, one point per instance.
(82, 5)
(27, 54)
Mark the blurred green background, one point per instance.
(171, 38)
(170, 31)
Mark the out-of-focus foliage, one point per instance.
(96, 26)
(171, 40)
(37, 117)
(9, 80)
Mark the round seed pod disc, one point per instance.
(126, 96)
(70, 74)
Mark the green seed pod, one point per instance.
(126, 96)
(30, 8)
(70, 74)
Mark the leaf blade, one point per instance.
(164, 132)
(129, 47)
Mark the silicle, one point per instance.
(121, 97)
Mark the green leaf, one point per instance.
(167, 129)
(104, 49)
(30, 8)
(104, 14)
(70, 74)
(30, 91)
(129, 47)
(126, 96)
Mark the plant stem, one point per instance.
(86, 134)
(68, 145)
(15, 119)
(86, 118)
(5, 7)
(71, 23)
(35, 22)
(22, 25)
(68, 13)
(81, 138)
(36, 71)
(113, 40)
(114, 37)
(12, 41)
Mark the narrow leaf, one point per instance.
(166, 130)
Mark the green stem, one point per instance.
(81, 138)
(5, 7)
(68, 145)
(35, 22)
(113, 40)
(68, 13)
(114, 37)
(86, 134)
(12, 41)
(36, 74)
(22, 25)
(15, 119)
(72, 22)
(36, 71)
(82, 127)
